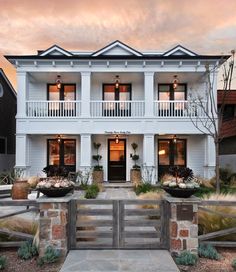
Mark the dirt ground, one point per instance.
(205, 265)
(15, 264)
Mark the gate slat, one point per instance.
(94, 223)
(147, 212)
(94, 212)
(143, 223)
(142, 234)
(92, 234)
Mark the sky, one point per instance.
(203, 26)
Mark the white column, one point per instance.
(22, 151)
(85, 93)
(149, 158)
(22, 91)
(149, 93)
(210, 162)
(85, 150)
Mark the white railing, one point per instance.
(117, 108)
(178, 108)
(53, 108)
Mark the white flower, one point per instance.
(173, 184)
(182, 185)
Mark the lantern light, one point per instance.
(59, 138)
(117, 139)
(58, 82)
(117, 81)
(175, 82)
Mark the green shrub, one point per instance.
(3, 262)
(208, 251)
(225, 175)
(143, 188)
(186, 258)
(92, 191)
(27, 251)
(51, 255)
(234, 264)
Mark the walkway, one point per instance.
(119, 260)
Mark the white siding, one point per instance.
(135, 79)
(37, 91)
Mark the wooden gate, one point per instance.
(118, 224)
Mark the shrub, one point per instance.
(143, 188)
(3, 262)
(186, 258)
(55, 170)
(27, 251)
(181, 172)
(92, 191)
(208, 251)
(234, 264)
(51, 255)
(225, 175)
(211, 222)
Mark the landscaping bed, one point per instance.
(15, 264)
(207, 265)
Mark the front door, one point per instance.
(117, 160)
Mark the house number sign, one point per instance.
(117, 132)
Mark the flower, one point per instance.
(55, 182)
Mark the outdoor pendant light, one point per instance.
(58, 82)
(59, 138)
(175, 82)
(117, 81)
(117, 139)
(175, 139)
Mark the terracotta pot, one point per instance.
(97, 176)
(135, 176)
(20, 189)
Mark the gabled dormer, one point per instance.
(54, 50)
(117, 48)
(179, 50)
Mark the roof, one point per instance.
(117, 50)
(7, 81)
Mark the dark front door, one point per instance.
(117, 160)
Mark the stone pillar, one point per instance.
(53, 223)
(22, 91)
(149, 93)
(85, 94)
(183, 224)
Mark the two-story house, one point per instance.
(116, 95)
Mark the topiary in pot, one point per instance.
(98, 169)
(135, 173)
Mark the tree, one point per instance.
(210, 122)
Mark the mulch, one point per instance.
(15, 264)
(206, 265)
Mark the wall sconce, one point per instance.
(175, 139)
(59, 138)
(117, 139)
(117, 81)
(58, 82)
(175, 82)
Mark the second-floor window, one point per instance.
(66, 92)
(167, 92)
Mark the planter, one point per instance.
(20, 189)
(98, 176)
(56, 192)
(135, 176)
(178, 192)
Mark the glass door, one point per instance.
(117, 160)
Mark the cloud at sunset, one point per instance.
(202, 26)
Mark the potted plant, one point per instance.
(135, 173)
(55, 186)
(97, 169)
(180, 182)
(20, 188)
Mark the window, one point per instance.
(166, 92)
(229, 112)
(3, 145)
(171, 153)
(1, 90)
(63, 153)
(67, 92)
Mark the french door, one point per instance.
(171, 153)
(117, 160)
(62, 153)
(112, 95)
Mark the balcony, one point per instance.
(120, 109)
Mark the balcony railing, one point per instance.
(53, 108)
(117, 108)
(103, 109)
(178, 108)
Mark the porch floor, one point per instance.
(119, 260)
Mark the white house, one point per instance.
(115, 96)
